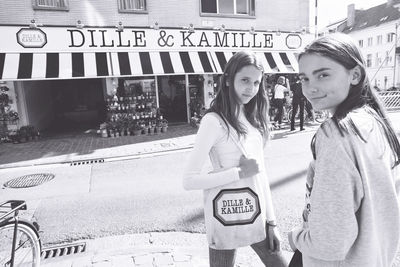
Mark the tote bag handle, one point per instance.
(233, 138)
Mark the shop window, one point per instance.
(132, 6)
(51, 4)
(134, 99)
(228, 7)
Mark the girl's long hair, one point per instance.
(342, 49)
(226, 102)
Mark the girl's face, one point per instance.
(325, 82)
(246, 83)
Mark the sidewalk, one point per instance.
(151, 249)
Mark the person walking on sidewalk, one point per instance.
(351, 217)
(279, 98)
(237, 198)
(298, 101)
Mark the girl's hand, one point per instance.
(274, 239)
(248, 167)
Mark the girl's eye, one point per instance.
(245, 80)
(323, 75)
(303, 79)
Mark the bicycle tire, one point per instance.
(28, 248)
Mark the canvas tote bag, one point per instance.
(235, 213)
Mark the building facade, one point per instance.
(376, 31)
(73, 62)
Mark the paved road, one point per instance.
(145, 195)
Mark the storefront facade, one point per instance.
(66, 76)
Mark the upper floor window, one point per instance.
(390, 37)
(51, 4)
(369, 41)
(228, 7)
(388, 58)
(132, 5)
(379, 39)
(361, 43)
(369, 60)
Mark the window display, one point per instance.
(133, 109)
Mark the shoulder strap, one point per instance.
(233, 138)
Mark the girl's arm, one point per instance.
(336, 195)
(209, 133)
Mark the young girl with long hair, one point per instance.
(351, 216)
(237, 198)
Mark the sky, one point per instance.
(330, 11)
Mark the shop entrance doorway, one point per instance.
(172, 98)
(78, 105)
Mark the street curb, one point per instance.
(178, 244)
(83, 160)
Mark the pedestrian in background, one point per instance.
(237, 198)
(351, 217)
(297, 102)
(279, 97)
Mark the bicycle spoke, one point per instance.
(26, 248)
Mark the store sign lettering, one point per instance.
(236, 206)
(78, 39)
(234, 39)
(31, 38)
(186, 39)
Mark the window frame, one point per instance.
(36, 6)
(370, 41)
(389, 37)
(369, 61)
(379, 39)
(136, 11)
(251, 15)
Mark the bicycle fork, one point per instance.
(14, 243)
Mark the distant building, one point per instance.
(376, 31)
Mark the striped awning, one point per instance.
(152, 63)
(273, 62)
(39, 66)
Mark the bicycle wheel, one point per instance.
(27, 250)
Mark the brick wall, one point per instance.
(288, 15)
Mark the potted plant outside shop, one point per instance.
(113, 128)
(118, 128)
(23, 134)
(158, 126)
(152, 129)
(137, 129)
(13, 136)
(103, 129)
(145, 129)
(164, 125)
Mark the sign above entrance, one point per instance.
(71, 39)
(31, 38)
